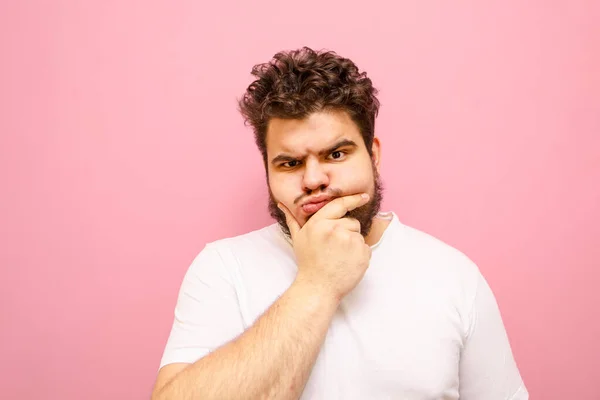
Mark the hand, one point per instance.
(330, 250)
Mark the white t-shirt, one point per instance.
(422, 324)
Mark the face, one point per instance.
(317, 158)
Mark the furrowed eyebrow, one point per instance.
(282, 158)
(331, 149)
(341, 143)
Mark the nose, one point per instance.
(315, 176)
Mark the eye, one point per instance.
(337, 155)
(290, 164)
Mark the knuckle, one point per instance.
(329, 228)
(345, 203)
(355, 238)
(341, 231)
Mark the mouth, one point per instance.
(311, 208)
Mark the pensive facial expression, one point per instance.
(312, 161)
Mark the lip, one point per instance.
(314, 204)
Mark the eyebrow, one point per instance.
(331, 149)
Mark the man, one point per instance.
(337, 300)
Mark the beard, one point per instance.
(363, 214)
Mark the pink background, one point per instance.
(122, 153)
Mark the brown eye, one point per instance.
(290, 164)
(337, 155)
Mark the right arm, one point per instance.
(272, 359)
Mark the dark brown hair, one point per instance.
(297, 83)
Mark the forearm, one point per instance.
(272, 359)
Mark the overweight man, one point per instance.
(336, 299)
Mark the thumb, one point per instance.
(292, 224)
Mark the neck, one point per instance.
(377, 228)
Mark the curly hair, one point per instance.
(297, 83)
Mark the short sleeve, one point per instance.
(487, 367)
(207, 312)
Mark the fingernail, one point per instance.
(364, 196)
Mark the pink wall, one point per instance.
(121, 154)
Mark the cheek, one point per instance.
(283, 191)
(357, 180)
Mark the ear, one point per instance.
(376, 151)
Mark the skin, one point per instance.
(273, 358)
(303, 161)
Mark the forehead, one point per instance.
(311, 134)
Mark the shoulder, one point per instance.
(258, 240)
(227, 250)
(435, 248)
(436, 257)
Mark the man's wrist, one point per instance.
(315, 293)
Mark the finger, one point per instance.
(338, 208)
(350, 224)
(292, 224)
